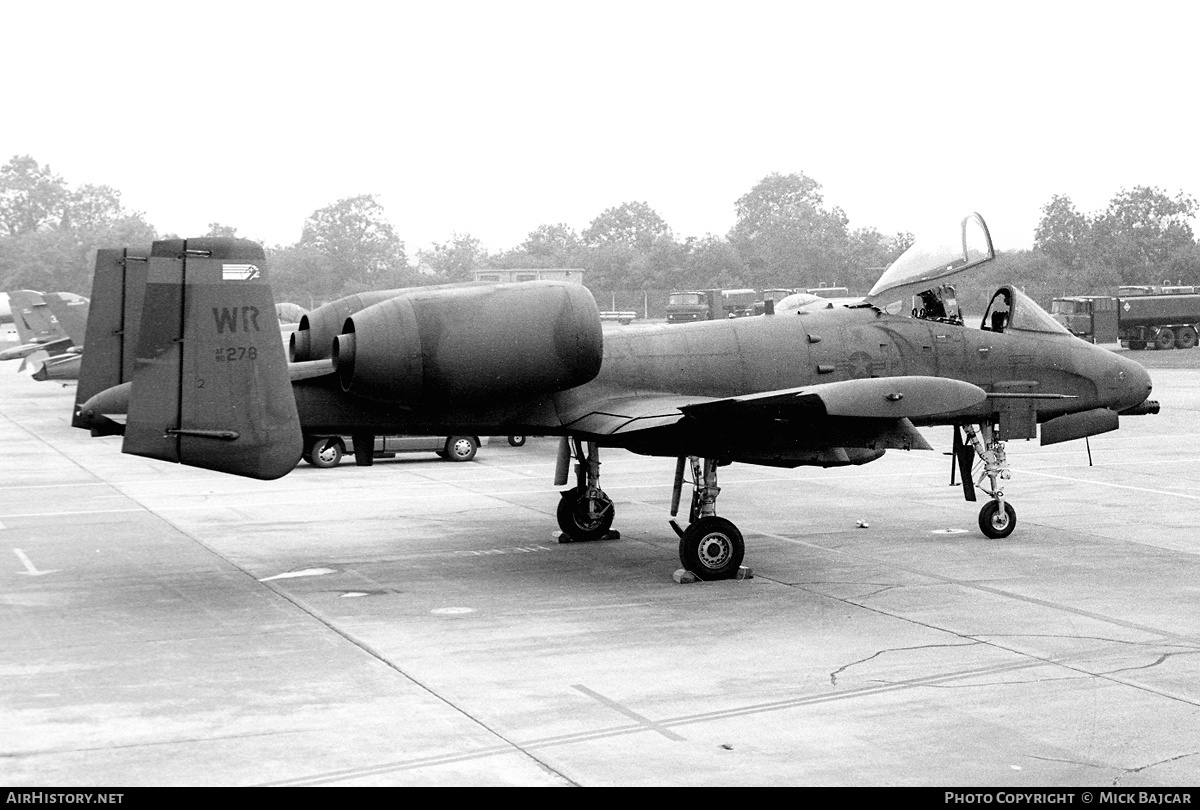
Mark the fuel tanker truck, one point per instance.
(1137, 317)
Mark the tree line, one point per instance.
(784, 235)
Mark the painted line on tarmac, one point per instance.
(30, 568)
(632, 715)
(1111, 486)
(522, 747)
(64, 514)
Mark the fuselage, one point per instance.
(741, 356)
(777, 352)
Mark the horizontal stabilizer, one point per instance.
(310, 368)
(50, 347)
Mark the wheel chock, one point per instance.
(686, 577)
(611, 534)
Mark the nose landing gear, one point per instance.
(997, 518)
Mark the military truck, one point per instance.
(685, 306)
(1138, 317)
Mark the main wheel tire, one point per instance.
(583, 521)
(1165, 339)
(712, 548)
(326, 452)
(516, 441)
(460, 448)
(994, 524)
(1185, 338)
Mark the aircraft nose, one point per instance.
(1135, 383)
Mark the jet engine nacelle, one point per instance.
(313, 338)
(464, 346)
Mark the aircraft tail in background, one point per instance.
(118, 290)
(37, 329)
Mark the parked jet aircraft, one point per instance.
(42, 334)
(71, 312)
(212, 388)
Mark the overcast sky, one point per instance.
(494, 118)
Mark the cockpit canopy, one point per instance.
(919, 279)
(1011, 310)
(800, 301)
(930, 259)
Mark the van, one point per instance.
(327, 451)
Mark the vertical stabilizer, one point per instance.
(210, 379)
(33, 319)
(118, 287)
(71, 314)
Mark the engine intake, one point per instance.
(460, 346)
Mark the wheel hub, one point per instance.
(590, 512)
(715, 550)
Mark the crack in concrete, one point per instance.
(833, 675)
(1069, 761)
(1155, 663)
(1123, 772)
(1131, 771)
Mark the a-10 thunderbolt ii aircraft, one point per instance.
(211, 385)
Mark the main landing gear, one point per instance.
(710, 547)
(585, 512)
(997, 518)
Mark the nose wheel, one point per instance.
(997, 522)
(997, 518)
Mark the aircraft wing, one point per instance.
(627, 413)
(886, 402)
(870, 398)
